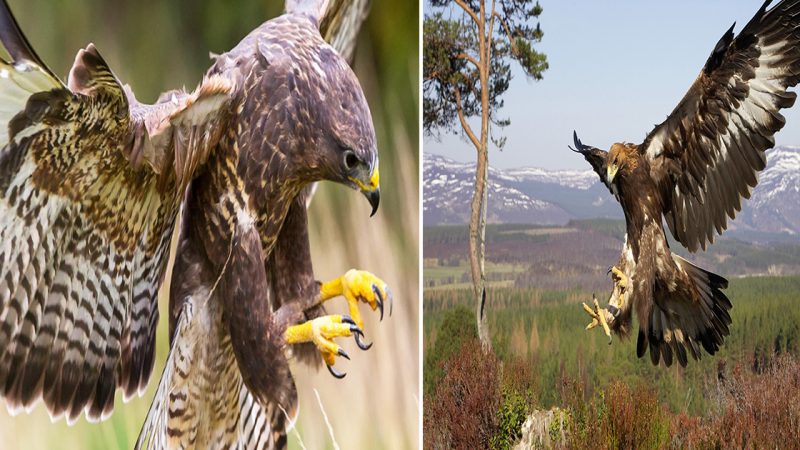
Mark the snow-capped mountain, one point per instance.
(541, 196)
(448, 187)
(775, 203)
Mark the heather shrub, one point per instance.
(617, 417)
(462, 412)
(458, 327)
(755, 410)
(634, 417)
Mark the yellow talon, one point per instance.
(355, 286)
(321, 331)
(599, 318)
(619, 277)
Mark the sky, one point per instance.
(616, 70)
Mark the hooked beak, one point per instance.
(374, 198)
(611, 172)
(370, 188)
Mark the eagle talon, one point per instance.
(599, 318)
(619, 277)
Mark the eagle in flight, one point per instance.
(694, 169)
(92, 185)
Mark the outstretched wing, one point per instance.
(90, 185)
(706, 156)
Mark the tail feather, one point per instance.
(696, 315)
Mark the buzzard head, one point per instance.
(353, 155)
(346, 141)
(305, 103)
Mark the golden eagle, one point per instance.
(91, 186)
(694, 169)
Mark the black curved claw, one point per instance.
(354, 328)
(609, 270)
(335, 373)
(343, 354)
(379, 301)
(357, 334)
(349, 320)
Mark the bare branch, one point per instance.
(468, 10)
(469, 58)
(491, 30)
(464, 124)
(511, 39)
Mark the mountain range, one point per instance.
(532, 195)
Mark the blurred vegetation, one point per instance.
(154, 46)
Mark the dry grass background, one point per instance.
(158, 45)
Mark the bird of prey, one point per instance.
(694, 169)
(92, 183)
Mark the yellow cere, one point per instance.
(374, 180)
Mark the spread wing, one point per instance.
(90, 185)
(706, 156)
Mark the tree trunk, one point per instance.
(478, 216)
(477, 238)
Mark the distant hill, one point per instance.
(545, 197)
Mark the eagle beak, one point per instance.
(611, 172)
(371, 189)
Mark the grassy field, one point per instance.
(163, 45)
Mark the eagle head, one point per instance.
(620, 157)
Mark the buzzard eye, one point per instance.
(350, 160)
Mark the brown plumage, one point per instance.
(91, 184)
(694, 169)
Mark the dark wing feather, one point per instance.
(706, 156)
(84, 226)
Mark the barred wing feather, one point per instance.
(85, 226)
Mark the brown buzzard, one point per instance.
(91, 186)
(694, 169)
